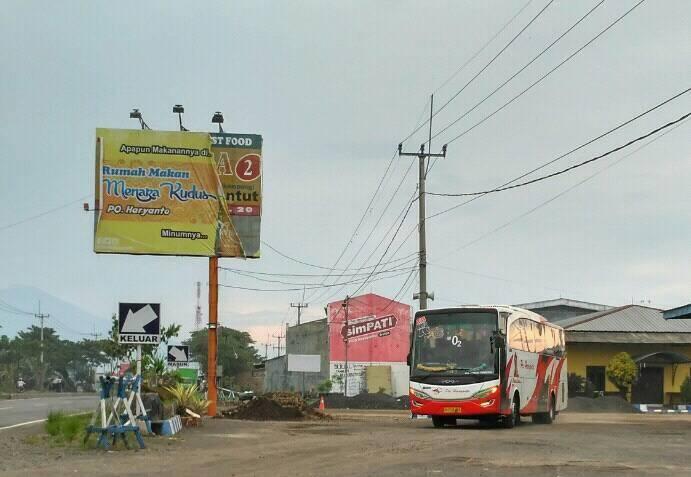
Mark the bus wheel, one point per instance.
(514, 418)
(546, 417)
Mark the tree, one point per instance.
(621, 371)
(235, 351)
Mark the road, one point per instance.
(19, 411)
(381, 444)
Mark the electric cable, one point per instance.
(577, 148)
(454, 96)
(568, 169)
(486, 118)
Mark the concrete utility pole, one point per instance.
(299, 306)
(41, 316)
(423, 157)
(345, 384)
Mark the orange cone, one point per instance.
(322, 406)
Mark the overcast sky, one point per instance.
(333, 87)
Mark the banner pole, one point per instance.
(139, 373)
(212, 335)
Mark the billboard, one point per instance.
(377, 330)
(238, 160)
(158, 193)
(305, 363)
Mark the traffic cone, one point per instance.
(322, 406)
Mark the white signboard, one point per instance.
(306, 363)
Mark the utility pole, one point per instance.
(345, 385)
(300, 305)
(41, 316)
(279, 338)
(423, 158)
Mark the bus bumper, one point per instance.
(467, 408)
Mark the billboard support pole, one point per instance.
(140, 409)
(212, 335)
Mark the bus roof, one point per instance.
(501, 308)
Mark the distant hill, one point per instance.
(69, 320)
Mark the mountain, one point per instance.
(69, 320)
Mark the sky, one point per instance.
(333, 87)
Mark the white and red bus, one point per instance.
(492, 363)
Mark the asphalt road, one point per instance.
(19, 411)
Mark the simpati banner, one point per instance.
(377, 330)
(158, 193)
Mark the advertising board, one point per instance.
(377, 330)
(158, 193)
(238, 160)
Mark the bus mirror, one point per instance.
(408, 359)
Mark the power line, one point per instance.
(483, 47)
(538, 81)
(49, 211)
(568, 169)
(577, 148)
(299, 275)
(535, 58)
(307, 288)
(480, 72)
(560, 194)
(313, 285)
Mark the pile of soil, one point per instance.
(366, 401)
(600, 404)
(274, 407)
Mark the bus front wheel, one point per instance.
(514, 418)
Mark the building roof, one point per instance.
(626, 319)
(564, 302)
(678, 313)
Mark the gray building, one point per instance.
(563, 308)
(311, 338)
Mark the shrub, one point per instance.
(65, 428)
(187, 397)
(54, 422)
(576, 383)
(621, 371)
(686, 390)
(325, 386)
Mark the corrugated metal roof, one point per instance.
(627, 337)
(629, 318)
(585, 305)
(679, 313)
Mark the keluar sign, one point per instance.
(239, 165)
(158, 193)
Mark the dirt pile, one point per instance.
(600, 404)
(367, 401)
(275, 407)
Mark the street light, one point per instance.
(179, 109)
(218, 119)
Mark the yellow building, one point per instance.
(661, 348)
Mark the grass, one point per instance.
(64, 429)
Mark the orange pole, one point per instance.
(212, 335)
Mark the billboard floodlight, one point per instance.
(218, 119)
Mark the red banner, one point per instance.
(377, 330)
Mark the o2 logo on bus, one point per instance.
(247, 167)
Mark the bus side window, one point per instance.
(539, 332)
(515, 339)
(529, 334)
(549, 340)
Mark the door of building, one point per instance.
(595, 375)
(649, 388)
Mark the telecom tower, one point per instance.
(198, 311)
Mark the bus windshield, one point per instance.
(453, 343)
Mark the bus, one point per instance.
(491, 363)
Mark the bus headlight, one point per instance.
(419, 394)
(483, 393)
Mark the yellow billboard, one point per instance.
(158, 193)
